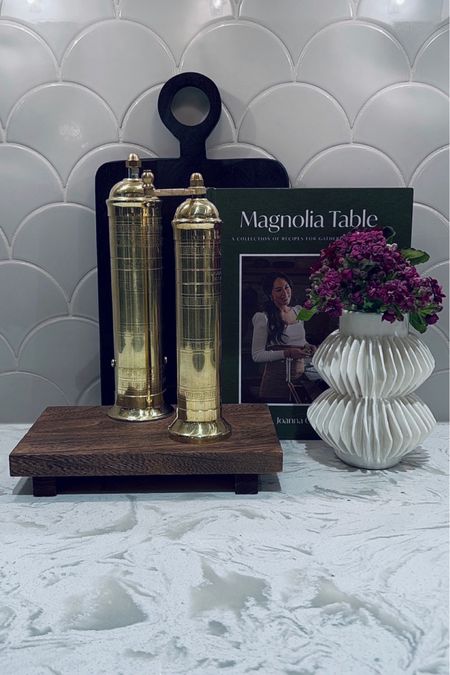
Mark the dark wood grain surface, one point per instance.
(84, 441)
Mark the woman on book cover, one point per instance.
(279, 336)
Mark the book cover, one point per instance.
(274, 235)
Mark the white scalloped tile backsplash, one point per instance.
(343, 93)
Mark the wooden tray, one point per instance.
(82, 441)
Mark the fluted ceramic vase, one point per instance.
(370, 415)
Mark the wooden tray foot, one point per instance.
(44, 487)
(246, 483)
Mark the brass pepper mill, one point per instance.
(196, 229)
(135, 245)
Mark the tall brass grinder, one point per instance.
(196, 231)
(134, 211)
(136, 265)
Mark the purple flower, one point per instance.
(357, 298)
(347, 274)
(436, 289)
(334, 308)
(361, 271)
(388, 316)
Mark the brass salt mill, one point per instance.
(196, 230)
(136, 264)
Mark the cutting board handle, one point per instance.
(192, 138)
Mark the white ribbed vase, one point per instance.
(369, 415)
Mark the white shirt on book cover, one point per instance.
(293, 336)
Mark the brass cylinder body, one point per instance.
(196, 229)
(136, 262)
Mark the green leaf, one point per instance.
(372, 306)
(418, 322)
(414, 255)
(306, 314)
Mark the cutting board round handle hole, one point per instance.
(190, 106)
(192, 137)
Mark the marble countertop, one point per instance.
(328, 570)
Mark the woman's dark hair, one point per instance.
(275, 325)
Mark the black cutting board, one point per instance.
(171, 172)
